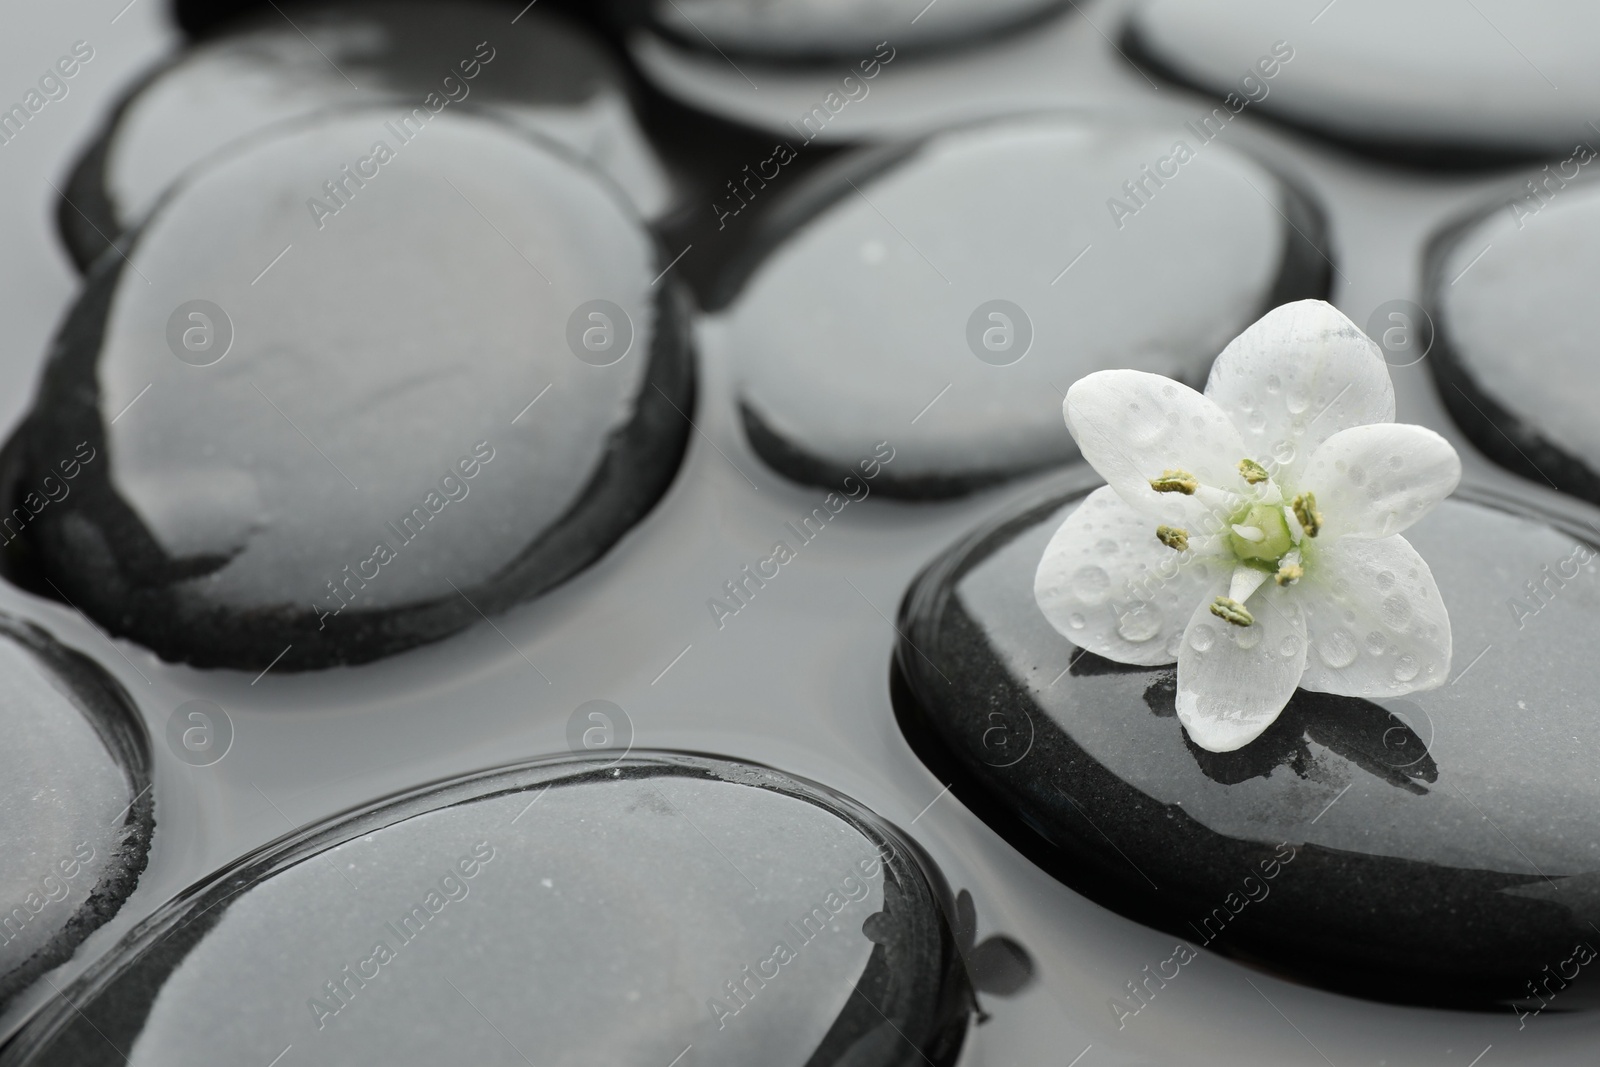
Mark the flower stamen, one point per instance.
(1253, 472)
(1232, 611)
(1174, 537)
(1172, 481)
(1259, 535)
(1290, 572)
(1305, 509)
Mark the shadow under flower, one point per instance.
(1373, 737)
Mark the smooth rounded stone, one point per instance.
(544, 74)
(336, 435)
(941, 296)
(75, 787)
(816, 30)
(1437, 848)
(1422, 83)
(1513, 354)
(572, 911)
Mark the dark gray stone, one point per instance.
(1432, 849)
(75, 787)
(1514, 359)
(359, 455)
(819, 30)
(942, 296)
(544, 74)
(1426, 83)
(559, 911)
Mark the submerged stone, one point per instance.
(1514, 353)
(562, 911)
(942, 296)
(74, 784)
(354, 387)
(819, 30)
(1435, 848)
(1425, 83)
(542, 73)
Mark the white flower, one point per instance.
(1252, 533)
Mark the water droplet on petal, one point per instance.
(1106, 547)
(1139, 623)
(1385, 579)
(1289, 647)
(1296, 402)
(1396, 610)
(1273, 384)
(1091, 584)
(1337, 649)
(1376, 643)
(1075, 621)
(1405, 668)
(1257, 421)
(1246, 637)
(1283, 452)
(1201, 636)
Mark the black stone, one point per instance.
(565, 909)
(544, 74)
(1509, 292)
(1416, 84)
(1432, 849)
(816, 31)
(79, 813)
(861, 313)
(370, 378)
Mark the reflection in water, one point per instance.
(1376, 739)
(999, 965)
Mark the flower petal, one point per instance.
(1110, 587)
(1233, 681)
(1299, 375)
(1376, 623)
(1374, 481)
(1132, 426)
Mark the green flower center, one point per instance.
(1260, 535)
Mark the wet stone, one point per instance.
(1415, 83)
(1436, 848)
(941, 297)
(825, 29)
(334, 428)
(1513, 358)
(572, 911)
(74, 783)
(543, 74)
